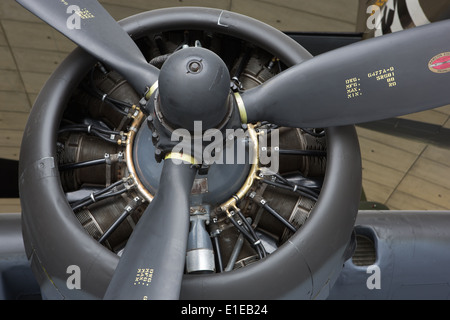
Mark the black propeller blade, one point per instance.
(89, 25)
(152, 264)
(383, 77)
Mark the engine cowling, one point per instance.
(87, 173)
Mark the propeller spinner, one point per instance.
(194, 85)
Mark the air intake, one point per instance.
(365, 253)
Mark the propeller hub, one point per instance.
(194, 85)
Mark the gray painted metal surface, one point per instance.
(412, 257)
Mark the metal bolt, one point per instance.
(194, 66)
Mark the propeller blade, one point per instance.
(152, 264)
(396, 74)
(89, 25)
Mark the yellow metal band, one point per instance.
(241, 107)
(151, 90)
(129, 156)
(180, 156)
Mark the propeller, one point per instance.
(152, 264)
(89, 25)
(380, 78)
(374, 79)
